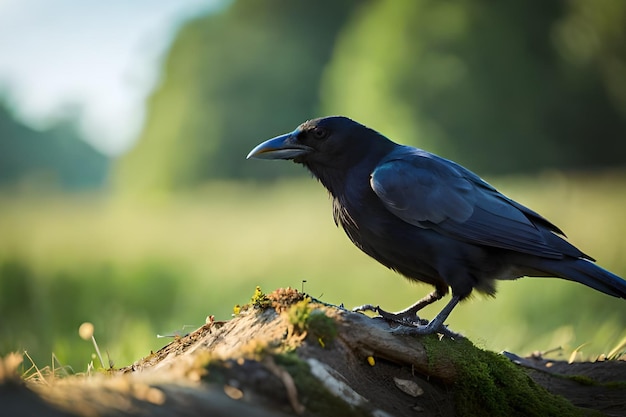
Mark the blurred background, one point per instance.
(126, 199)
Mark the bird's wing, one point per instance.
(431, 192)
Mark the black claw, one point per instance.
(410, 323)
(367, 307)
(404, 319)
(425, 330)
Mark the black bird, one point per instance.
(429, 218)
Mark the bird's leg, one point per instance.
(436, 325)
(408, 316)
(420, 304)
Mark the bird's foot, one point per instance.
(410, 323)
(429, 328)
(405, 318)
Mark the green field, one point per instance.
(138, 268)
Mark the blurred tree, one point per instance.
(499, 86)
(231, 80)
(592, 37)
(504, 87)
(56, 156)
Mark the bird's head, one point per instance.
(329, 142)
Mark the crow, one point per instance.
(430, 219)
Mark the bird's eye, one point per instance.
(320, 132)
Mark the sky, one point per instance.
(98, 58)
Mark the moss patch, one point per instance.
(588, 381)
(299, 314)
(312, 393)
(489, 384)
(322, 327)
(307, 317)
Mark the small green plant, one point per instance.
(259, 299)
(299, 315)
(306, 319)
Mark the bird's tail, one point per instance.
(588, 273)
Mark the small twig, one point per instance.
(93, 339)
(290, 385)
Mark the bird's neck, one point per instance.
(342, 183)
(333, 179)
(342, 174)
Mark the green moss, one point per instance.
(317, 399)
(322, 327)
(585, 380)
(615, 385)
(299, 315)
(489, 384)
(312, 393)
(305, 318)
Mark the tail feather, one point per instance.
(588, 273)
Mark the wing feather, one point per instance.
(431, 192)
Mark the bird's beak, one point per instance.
(280, 147)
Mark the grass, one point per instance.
(138, 268)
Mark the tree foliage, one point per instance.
(501, 87)
(231, 80)
(56, 156)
